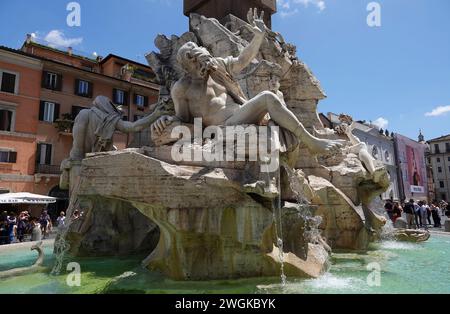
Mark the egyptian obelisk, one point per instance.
(219, 9)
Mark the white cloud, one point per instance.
(439, 111)
(291, 7)
(381, 123)
(56, 38)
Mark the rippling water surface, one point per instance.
(405, 268)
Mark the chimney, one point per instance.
(99, 58)
(29, 39)
(70, 51)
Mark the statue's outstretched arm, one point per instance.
(353, 139)
(181, 105)
(131, 127)
(251, 51)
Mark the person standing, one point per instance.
(22, 224)
(435, 213)
(61, 221)
(12, 225)
(36, 231)
(45, 222)
(424, 214)
(428, 213)
(409, 211)
(398, 211)
(389, 207)
(417, 214)
(3, 232)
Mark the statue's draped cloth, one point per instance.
(109, 116)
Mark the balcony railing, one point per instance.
(48, 169)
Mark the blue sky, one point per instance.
(395, 74)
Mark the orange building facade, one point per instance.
(42, 91)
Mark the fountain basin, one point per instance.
(210, 224)
(406, 268)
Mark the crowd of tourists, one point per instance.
(418, 214)
(17, 228)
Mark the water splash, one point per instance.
(388, 231)
(62, 246)
(312, 233)
(278, 222)
(396, 245)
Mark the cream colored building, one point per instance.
(439, 159)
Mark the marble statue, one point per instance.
(209, 91)
(358, 148)
(204, 220)
(94, 128)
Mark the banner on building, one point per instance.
(411, 155)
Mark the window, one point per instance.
(75, 111)
(48, 111)
(447, 147)
(437, 150)
(7, 156)
(6, 120)
(375, 152)
(8, 82)
(120, 97)
(140, 101)
(83, 88)
(438, 159)
(44, 154)
(52, 81)
(440, 169)
(441, 184)
(387, 156)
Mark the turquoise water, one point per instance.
(405, 268)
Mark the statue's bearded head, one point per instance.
(195, 60)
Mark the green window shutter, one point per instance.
(59, 82)
(13, 157)
(56, 112)
(114, 97)
(77, 87)
(44, 79)
(125, 102)
(38, 154)
(90, 90)
(41, 110)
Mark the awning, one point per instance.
(25, 198)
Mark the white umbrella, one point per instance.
(25, 198)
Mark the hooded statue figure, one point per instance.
(108, 116)
(94, 129)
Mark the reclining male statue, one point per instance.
(209, 91)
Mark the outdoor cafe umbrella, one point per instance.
(25, 198)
